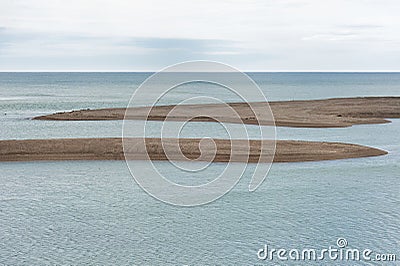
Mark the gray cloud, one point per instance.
(63, 51)
(179, 43)
(255, 34)
(172, 44)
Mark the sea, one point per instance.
(94, 213)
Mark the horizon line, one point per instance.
(153, 71)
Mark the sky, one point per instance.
(265, 35)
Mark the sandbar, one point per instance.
(112, 149)
(325, 113)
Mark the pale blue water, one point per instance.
(94, 213)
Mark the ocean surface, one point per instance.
(93, 212)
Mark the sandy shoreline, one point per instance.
(338, 112)
(111, 149)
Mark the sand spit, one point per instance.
(112, 149)
(338, 112)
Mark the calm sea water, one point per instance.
(94, 213)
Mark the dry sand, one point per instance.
(338, 112)
(111, 149)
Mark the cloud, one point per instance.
(362, 26)
(119, 34)
(197, 45)
(334, 36)
(21, 44)
(41, 51)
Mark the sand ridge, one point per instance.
(336, 112)
(112, 149)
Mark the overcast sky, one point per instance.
(149, 35)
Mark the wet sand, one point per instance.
(338, 112)
(112, 149)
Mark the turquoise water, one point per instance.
(94, 213)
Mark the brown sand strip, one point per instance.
(111, 149)
(338, 112)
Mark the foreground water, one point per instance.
(94, 213)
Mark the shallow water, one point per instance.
(92, 212)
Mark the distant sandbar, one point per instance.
(338, 112)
